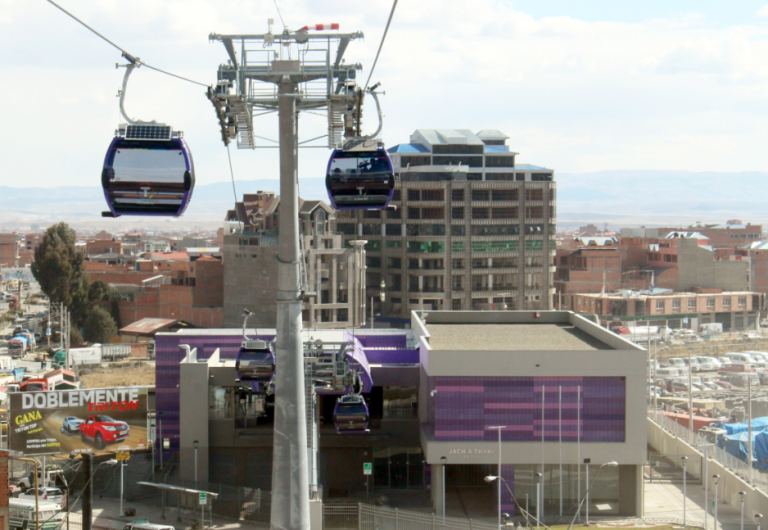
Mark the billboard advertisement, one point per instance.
(78, 421)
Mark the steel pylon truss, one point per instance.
(247, 84)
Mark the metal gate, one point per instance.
(368, 517)
(669, 468)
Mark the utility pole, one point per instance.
(311, 78)
(88, 492)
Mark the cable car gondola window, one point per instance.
(360, 179)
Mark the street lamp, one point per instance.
(538, 500)
(685, 465)
(612, 463)
(715, 479)
(742, 494)
(196, 444)
(498, 428)
(491, 478)
(758, 518)
(443, 460)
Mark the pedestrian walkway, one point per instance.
(665, 501)
(106, 511)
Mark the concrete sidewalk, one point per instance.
(110, 509)
(665, 501)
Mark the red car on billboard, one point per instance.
(103, 430)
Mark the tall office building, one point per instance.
(468, 228)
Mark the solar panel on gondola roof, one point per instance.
(148, 132)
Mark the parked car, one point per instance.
(694, 363)
(44, 494)
(103, 430)
(723, 384)
(742, 379)
(731, 368)
(708, 364)
(666, 371)
(679, 363)
(725, 359)
(742, 357)
(758, 355)
(71, 425)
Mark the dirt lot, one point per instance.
(118, 374)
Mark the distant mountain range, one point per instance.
(619, 198)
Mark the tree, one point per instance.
(99, 326)
(58, 265)
(60, 269)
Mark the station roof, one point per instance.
(148, 326)
(511, 337)
(408, 148)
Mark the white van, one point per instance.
(667, 372)
(742, 358)
(146, 525)
(679, 363)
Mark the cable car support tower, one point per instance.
(287, 72)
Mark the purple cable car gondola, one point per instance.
(255, 362)
(148, 170)
(360, 179)
(351, 416)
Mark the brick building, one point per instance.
(468, 227)
(732, 234)
(737, 311)
(250, 265)
(9, 249)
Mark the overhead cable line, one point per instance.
(130, 57)
(381, 45)
(232, 172)
(280, 15)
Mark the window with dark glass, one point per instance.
(504, 213)
(480, 213)
(414, 213)
(499, 176)
(395, 263)
(432, 213)
(372, 214)
(346, 228)
(457, 195)
(395, 214)
(471, 161)
(396, 283)
(534, 212)
(432, 195)
(457, 263)
(457, 149)
(481, 195)
(534, 195)
(458, 230)
(457, 212)
(396, 195)
(504, 195)
(500, 161)
(474, 176)
(373, 262)
(541, 177)
(414, 195)
(393, 230)
(415, 160)
(371, 230)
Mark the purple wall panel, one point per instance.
(393, 356)
(167, 359)
(466, 406)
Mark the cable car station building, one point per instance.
(562, 388)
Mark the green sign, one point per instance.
(367, 468)
(203, 498)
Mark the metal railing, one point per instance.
(731, 462)
(368, 517)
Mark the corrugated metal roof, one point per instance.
(530, 167)
(148, 325)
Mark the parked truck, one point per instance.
(18, 346)
(711, 328)
(95, 354)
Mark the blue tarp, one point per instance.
(758, 424)
(760, 450)
(736, 444)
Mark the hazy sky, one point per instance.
(578, 86)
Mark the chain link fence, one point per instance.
(368, 517)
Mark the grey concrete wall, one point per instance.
(696, 267)
(730, 484)
(249, 283)
(193, 403)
